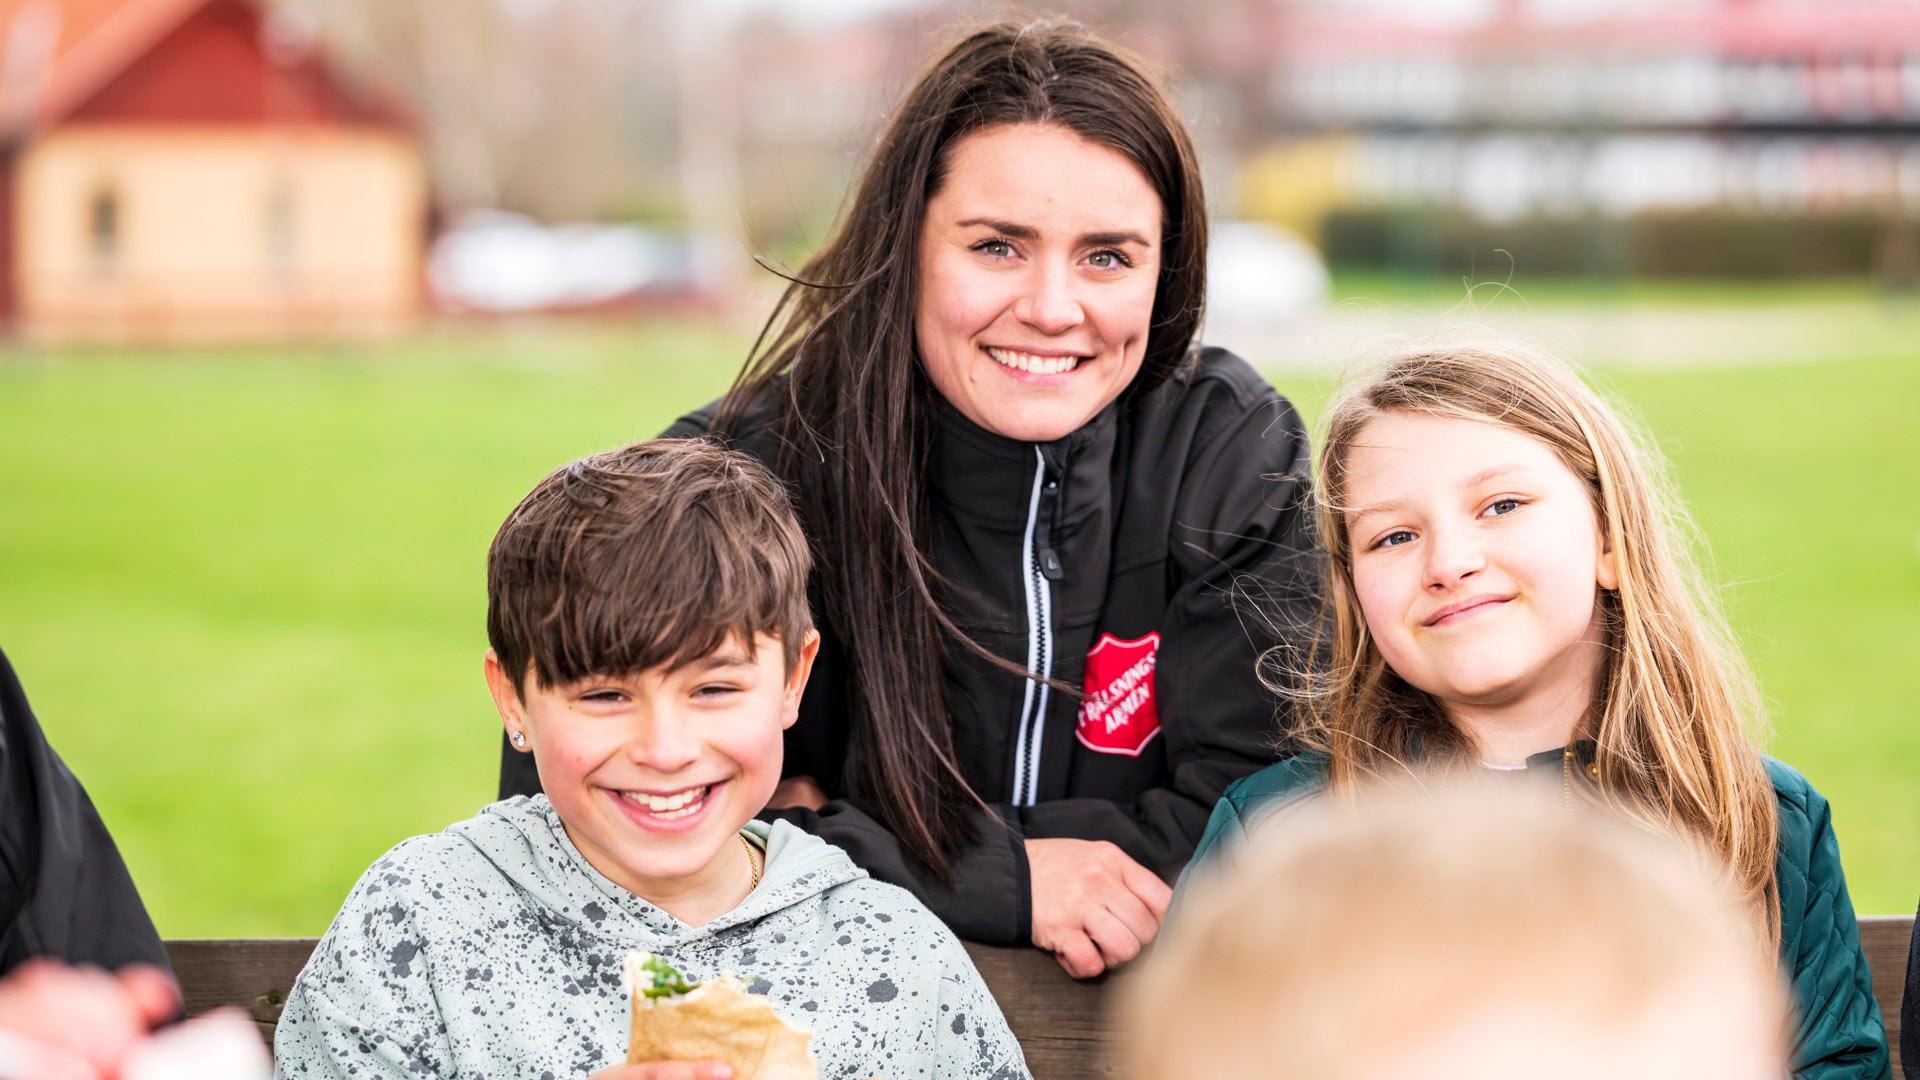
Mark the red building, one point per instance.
(197, 169)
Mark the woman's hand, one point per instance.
(1094, 908)
(797, 791)
(61, 1021)
(668, 1070)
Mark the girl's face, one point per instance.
(1476, 557)
(654, 773)
(1038, 261)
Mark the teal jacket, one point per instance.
(1838, 1033)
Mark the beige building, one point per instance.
(194, 170)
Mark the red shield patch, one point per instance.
(1120, 714)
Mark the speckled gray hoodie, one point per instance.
(493, 949)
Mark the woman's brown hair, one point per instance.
(1676, 715)
(854, 413)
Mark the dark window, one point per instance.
(103, 223)
(281, 225)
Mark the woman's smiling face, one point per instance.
(1039, 257)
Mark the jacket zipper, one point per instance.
(1039, 566)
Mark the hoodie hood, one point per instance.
(524, 839)
(494, 948)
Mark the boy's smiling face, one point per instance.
(653, 774)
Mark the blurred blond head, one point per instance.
(1461, 931)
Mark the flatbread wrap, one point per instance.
(675, 1020)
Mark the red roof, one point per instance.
(57, 55)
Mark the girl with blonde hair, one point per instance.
(1510, 593)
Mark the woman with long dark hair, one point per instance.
(1033, 502)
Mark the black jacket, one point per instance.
(1149, 557)
(63, 890)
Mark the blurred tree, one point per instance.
(735, 118)
(561, 110)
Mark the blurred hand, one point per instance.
(668, 1070)
(1094, 908)
(797, 791)
(220, 1045)
(61, 1021)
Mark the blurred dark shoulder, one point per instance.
(1213, 386)
(750, 429)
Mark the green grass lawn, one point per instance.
(244, 589)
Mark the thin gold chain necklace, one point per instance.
(1566, 775)
(753, 861)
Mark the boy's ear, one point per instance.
(506, 700)
(797, 678)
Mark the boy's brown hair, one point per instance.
(653, 554)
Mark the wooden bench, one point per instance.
(1062, 1024)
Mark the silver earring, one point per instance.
(520, 740)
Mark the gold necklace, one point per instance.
(753, 861)
(1566, 775)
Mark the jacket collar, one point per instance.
(1584, 752)
(991, 477)
(526, 841)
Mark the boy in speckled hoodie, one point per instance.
(650, 639)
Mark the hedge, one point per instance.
(1714, 243)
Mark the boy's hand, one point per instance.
(797, 791)
(668, 1070)
(1094, 908)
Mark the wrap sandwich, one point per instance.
(675, 1020)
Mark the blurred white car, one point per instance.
(492, 261)
(1261, 275)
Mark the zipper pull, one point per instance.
(1050, 563)
(1049, 559)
